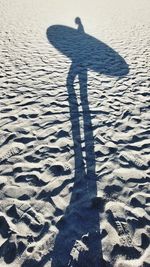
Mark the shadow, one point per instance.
(85, 50)
(80, 225)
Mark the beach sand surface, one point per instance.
(74, 133)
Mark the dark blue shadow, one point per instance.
(81, 219)
(86, 51)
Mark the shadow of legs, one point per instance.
(80, 223)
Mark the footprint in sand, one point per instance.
(11, 151)
(134, 159)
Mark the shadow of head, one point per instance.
(87, 50)
(78, 21)
(80, 26)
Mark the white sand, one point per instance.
(74, 173)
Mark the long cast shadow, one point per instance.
(80, 224)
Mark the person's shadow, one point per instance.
(79, 229)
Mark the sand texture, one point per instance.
(74, 133)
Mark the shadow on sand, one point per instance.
(81, 224)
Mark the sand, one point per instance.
(74, 133)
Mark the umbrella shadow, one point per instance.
(79, 228)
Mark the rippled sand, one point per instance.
(74, 145)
